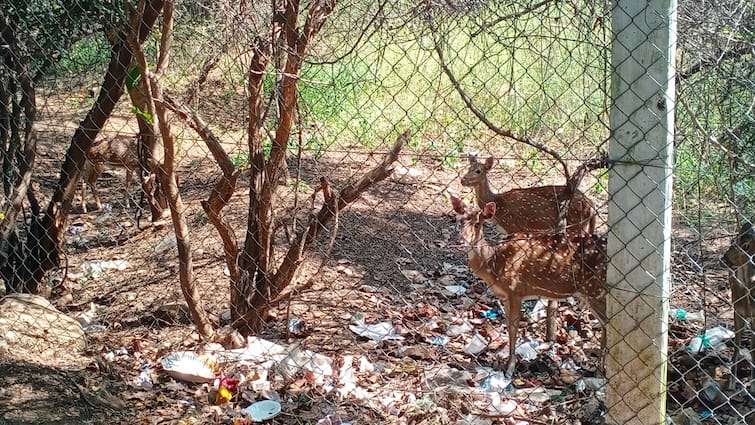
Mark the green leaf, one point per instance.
(133, 77)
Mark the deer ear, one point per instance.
(489, 209)
(489, 163)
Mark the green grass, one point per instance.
(543, 75)
(545, 90)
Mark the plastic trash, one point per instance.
(456, 290)
(684, 315)
(167, 243)
(527, 350)
(144, 381)
(713, 338)
(594, 384)
(75, 229)
(332, 420)
(476, 345)
(437, 340)
(224, 389)
(94, 268)
(490, 314)
(377, 332)
(538, 309)
(263, 410)
(460, 329)
(495, 382)
(297, 326)
(319, 366)
(187, 366)
(407, 175)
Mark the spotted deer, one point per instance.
(534, 209)
(531, 209)
(117, 151)
(740, 259)
(524, 265)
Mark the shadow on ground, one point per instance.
(33, 394)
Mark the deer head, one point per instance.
(471, 221)
(477, 174)
(742, 249)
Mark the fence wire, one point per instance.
(218, 212)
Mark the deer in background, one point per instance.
(530, 209)
(524, 266)
(118, 151)
(740, 259)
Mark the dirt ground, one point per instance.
(391, 260)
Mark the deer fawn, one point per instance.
(740, 258)
(117, 151)
(531, 209)
(526, 265)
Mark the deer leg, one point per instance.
(550, 320)
(598, 307)
(83, 192)
(128, 187)
(96, 196)
(740, 299)
(592, 224)
(751, 388)
(750, 320)
(513, 316)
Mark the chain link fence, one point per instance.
(239, 206)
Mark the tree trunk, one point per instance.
(46, 236)
(255, 271)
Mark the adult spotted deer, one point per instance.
(117, 151)
(534, 209)
(740, 258)
(531, 209)
(523, 266)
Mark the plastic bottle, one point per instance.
(714, 338)
(683, 315)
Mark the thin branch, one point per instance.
(358, 41)
(729, 134)
(483, 118)
(193, 120)
(514, 15)
(330, 209)
(713, 61)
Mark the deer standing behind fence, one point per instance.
(523, 266)
(740, 258)
(534, 209)
(118, 151)
(529, 209)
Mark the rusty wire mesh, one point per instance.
(384, 320)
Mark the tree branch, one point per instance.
(482, 117)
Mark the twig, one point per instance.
(484, 119)
(514, 15)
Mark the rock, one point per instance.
(32, 329)
(173, 314)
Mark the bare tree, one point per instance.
(257, 280)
